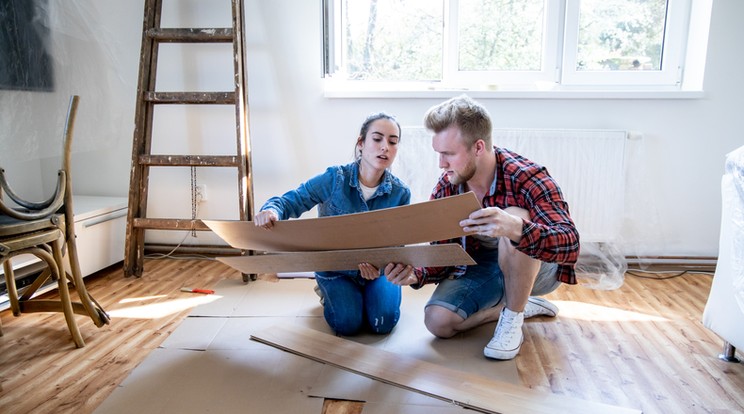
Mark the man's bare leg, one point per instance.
(519, 272)
(519, 269)
(444, 323)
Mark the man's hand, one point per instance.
(493, 222)
(265, 219)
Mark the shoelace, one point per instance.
(507, 331)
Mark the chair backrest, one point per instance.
(62, 196)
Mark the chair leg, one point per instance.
(11, 286)
(94, 310)
(64, 294)
(729, 353)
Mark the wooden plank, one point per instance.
(428, 255)
(169, 224)
(460, 388)
(163, 160)
(204, 98)
(191, 35)
(416, 223)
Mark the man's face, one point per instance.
(457, 161)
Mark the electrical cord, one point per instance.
(195, 200)
(660, 275)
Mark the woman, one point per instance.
(354, 299)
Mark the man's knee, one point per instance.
(505, 245)
(512, 260)
(519, 212)
(441, 321)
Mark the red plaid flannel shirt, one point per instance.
(549, 235)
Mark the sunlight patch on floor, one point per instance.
(159, 310)
(142, 299)
(591, 312)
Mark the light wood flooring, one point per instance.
(640, 346)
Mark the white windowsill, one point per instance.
(489, 94)
(334, 89)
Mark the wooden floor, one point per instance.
(640, 346)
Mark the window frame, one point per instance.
(553, 80)
(670, 74)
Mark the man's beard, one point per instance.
(467, 173)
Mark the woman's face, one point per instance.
(380, 145)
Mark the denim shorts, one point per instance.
(482, 286)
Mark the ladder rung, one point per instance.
(190, 160)
(191, 35)
(219, 98)
(169, 224)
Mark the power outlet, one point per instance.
(201, 193)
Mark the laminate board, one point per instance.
(463, 389)
(397, 226)
(419, 255)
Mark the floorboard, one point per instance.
(640, 346)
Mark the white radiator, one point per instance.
(589, 166)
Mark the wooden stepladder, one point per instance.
(147, 98)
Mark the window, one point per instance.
(507, 44)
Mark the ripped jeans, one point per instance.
(352, 303)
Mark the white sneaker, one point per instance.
(508, 336)
(537, 306)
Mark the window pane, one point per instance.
(385, 41)
(501, 35)
(621, 35)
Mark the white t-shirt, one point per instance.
(367, 192)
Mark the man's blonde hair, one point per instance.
(468, 115)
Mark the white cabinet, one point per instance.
(100, 227)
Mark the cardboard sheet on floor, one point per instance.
(286, 297)
(420, 255)
(412, 224)
(216, 337)
(243, 309)
(467, 390)
(186, 381)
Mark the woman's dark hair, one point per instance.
(365, 128)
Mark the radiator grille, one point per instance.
(589, 166)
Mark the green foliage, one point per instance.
(403, 40)
(615, 34)
(500, 34)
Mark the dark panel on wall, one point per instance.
(24, 38)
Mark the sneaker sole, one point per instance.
(501, 354)
(549, 311)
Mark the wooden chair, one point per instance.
(46, 229)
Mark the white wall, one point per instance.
(296, 132)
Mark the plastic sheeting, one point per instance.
(734, 195)
(601, 266)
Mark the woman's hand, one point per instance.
(265, 219)
(400, 274)
(368, 271)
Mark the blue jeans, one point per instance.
(352, 303)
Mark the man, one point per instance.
(523, 238)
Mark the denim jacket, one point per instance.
(337, 192)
